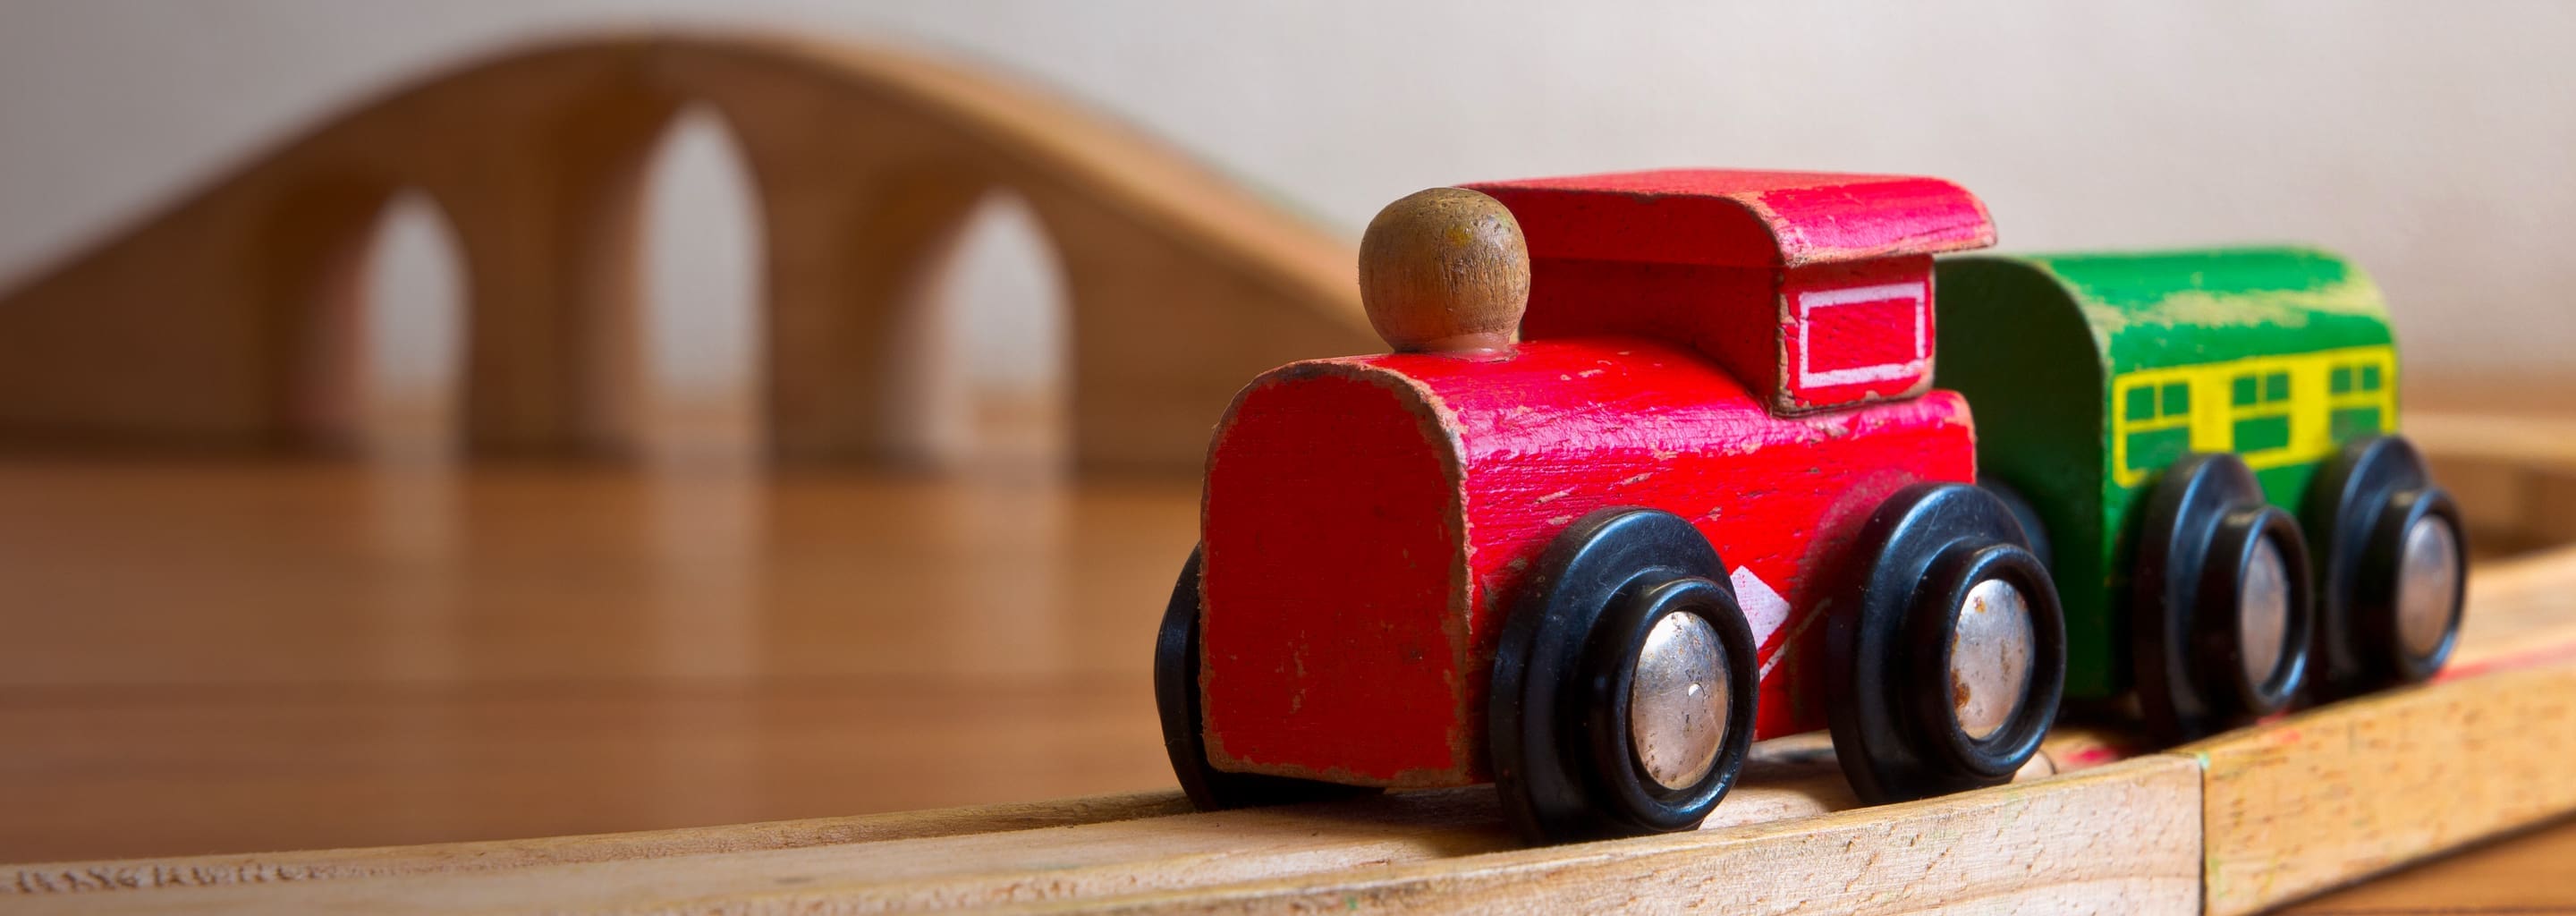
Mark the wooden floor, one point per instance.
(208, 655)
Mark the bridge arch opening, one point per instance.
(402, 335)
(998, 305)
(702, 250)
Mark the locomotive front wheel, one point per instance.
(2220, 608)
(1176, 696)
(1946, 654)
(1623, 686)
(2391, 577)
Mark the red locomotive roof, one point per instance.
(1741, 218)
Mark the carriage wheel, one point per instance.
(1623, 687)
(1176, 695)
(1946, 654)
(2219, 609)
(2391, 583)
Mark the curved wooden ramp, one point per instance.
(228, 319)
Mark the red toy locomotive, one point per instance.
(1594, 564)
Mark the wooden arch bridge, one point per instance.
(227, 319)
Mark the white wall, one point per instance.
(2432, 141)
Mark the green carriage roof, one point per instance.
(2175, 308)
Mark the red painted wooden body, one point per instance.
(1369, 521)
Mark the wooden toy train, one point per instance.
(1658, 468)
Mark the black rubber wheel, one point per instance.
(1895, 705)
(2361, 511)
(1565, 760)
(1176, 696)
(2206, 538)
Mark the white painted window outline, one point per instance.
(1810, 301)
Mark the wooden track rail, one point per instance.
(2236, 824)
(228, 319)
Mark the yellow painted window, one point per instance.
(2260, 402)
(2159, 421)
(2358, 402)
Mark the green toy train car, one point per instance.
(2206, 441)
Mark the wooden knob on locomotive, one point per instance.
(1445, 271)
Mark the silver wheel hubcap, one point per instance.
(1990, 652)
(1677, 705)
(2263, 611)
(2428, 576)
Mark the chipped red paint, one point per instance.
(1331, 539)
(1727, 217)
(1369, 521)
(1815, 288)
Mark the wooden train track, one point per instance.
(2236, 824)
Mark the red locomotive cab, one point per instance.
(1814, 290)
(1706, 497)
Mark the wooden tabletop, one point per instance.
(220, 655)
(2521, 876)
(234, 656)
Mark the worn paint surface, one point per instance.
(2090, 372)
(1370, 521)
(1813, 288)
(1743, 218)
